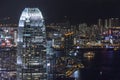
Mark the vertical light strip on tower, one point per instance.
(31, 53)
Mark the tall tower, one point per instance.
(31, 52)
(106, 23)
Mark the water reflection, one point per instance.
(104, 66)
(76, 75)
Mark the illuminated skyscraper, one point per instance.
(31, 55)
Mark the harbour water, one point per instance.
(104, 66)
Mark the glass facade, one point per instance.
(31, 52)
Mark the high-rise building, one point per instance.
(114, 22)
(31, 52)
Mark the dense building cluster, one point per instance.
(34, 51)
(8, 36)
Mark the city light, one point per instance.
(34, 49)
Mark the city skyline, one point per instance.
(74, 11)
(35, 51)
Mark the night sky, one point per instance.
(75, 11)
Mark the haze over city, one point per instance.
(57, 10)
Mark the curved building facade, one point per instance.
(31, 53)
